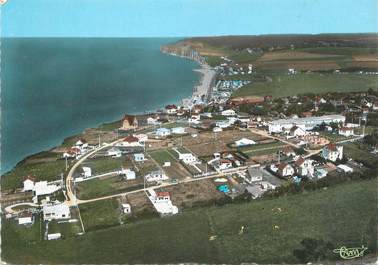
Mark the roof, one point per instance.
(282, 166)
(224, 161)
(331, 147)
(308, 119)
(130, 118)
(29, 177)
(173, 106)
(130, 139)
(288, 149)
(299, 161)
(162, 193)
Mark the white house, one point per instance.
(87, 172)
(43, 188)
(142, 138)
(163, 132)
(255, 175)
(56, 211)
(187, 158)
(162, 202)
(167, 164)
(54, 236)
(228, 112)
(28, 183)
(344, 169)
(126, 208)
(178, 130)
(285, 170)
(332, 152)
(114, 152)
(171, 109)
(244, 142)
(297, 131)
(153, 121)
(129, 141)
(25, 218)
(305, 167)
(158, 175)
(346, 131)
(224, 164)
(217, 129)
(129, 174)
(139, 157)
(223, 124)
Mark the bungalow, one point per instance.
(139, 157)
(43, 188)
(162, 202)
(114, 152)
(129, 174)
(304, 167)
(142, 138)
(178, 130)
(229, 112)
(153, 121)
(129, 141)
(346, 131)
(217, 129)
(158, 175)
(72, 152)
(87, 172)
(224, 164)
(332, 152)
(29, 183)
(171, 109)
(187, 158)
(244, 142)
(56, 211)
(25, 218)
(223, 124)
(126, 208)
(285, 170)
(163, 132)
(129, 122)
(344, 169)
(297, 131)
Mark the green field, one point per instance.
(289, 85)
(342, 215)
(162, 156)
(359, 153)
(105, 164)
(262, 149)
(42, 171)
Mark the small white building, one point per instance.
(305, 167)
(344, 169)
(297, 131)
(56, 212)
(139, 157)
(44, 188)
(224, 164)
(25, 218)
(158, 175)
(163, 132)
(285, 170)
(153, 121)
(187, 158)
(346, 131)
(28, 183)
(87, 172)
(244, 142)
(217, 129)
(129, 174)
(167, 164)
(178, 130)
(54, 236)
(126, 208)
(114, 152)
(162, 202)
(229, 112)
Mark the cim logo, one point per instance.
(350, 253)
(2, 2)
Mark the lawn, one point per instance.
(262, 149)
(358, 152)
(111, 126)
(42, 170)
(289, 85)
(99, 214)
(342, 215)
(105, 164)
(162, 156)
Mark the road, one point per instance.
(265, 134)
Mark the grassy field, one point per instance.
(359, 153)
(105, 164)
(262, 149)
(162, 156)
(349, 220)
(290, 85)
(43, 171)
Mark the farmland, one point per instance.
(270, 235)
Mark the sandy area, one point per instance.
(205, 83)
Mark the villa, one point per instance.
(56, 211)
(332, 152)
(129, 122)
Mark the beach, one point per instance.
(206, 82)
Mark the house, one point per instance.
(255, 174)
(25, 218)
(163, 132)
(162, 202)
(297, 131)
(56, 211)
(285, 170)
(129, 141)
(288, 151)
(346, 131)
(244, 142)
(139, 157)
(187, 158)
(87, 172)
(171, 109)
(332, 152)
(29, 183)
(223, 124)
(129, 122)
(158, 175)
(167, 164)
(72, 152)
(224, 164)
(54, 236)
(126, 208)
(142, 138)
(114, 152)
(229, 112)
(304, 167)
(153, 121)
(43, 188)
(344, 169)
(178, 130)
(129, 174)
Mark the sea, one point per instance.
(52, 88)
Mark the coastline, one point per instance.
(201, 90)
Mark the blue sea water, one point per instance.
(52, 88)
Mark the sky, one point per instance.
(183, 18)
